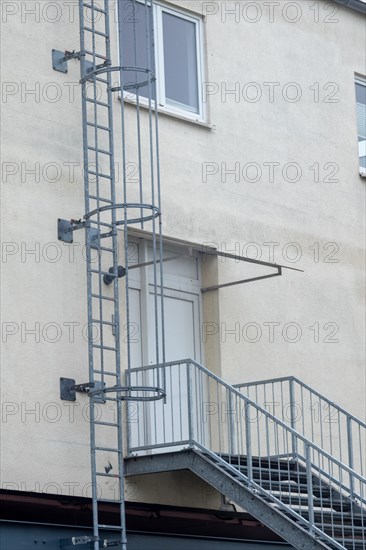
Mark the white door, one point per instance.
(166, 422)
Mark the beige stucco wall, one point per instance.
(48, 287)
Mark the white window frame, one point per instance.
(361, 144)
(163, 105)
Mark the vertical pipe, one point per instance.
(248, 442)
(309, 482)
(231, 412)
(293, 416)
(190, 403)
(350, 455)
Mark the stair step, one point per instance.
(261, 462)
(329, 504)
(335, 518)
(274, 475)
(283, 487)
(335, 529)
(351, 544)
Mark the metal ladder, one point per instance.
(103, 307)
(103, 217)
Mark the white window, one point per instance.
(361, 122)
(178, 60)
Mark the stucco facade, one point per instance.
(272, 173)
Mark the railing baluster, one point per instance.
(231, 423)
(189, 403)
(248, 438)
(293, 416)
(309, 479)
(350, 454)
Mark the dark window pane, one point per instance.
(361, 93)
(180, 62)
(133, 17)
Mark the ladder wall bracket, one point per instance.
(77, 541)
(66, 228)
(68, 389)
(60, 59)
(93, 237)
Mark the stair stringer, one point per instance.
(225, 483)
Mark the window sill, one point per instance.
(168, 113)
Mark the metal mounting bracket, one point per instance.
(76, 541)
(242, 281)
(60, 59)
(93, 237)
(66, 228)
(87, 67)
(68, 389)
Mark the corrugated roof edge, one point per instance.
(357, 5)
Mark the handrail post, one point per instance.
(309, 482)
(293, 415)
(232, 431)
(127, 413)
(190, 404)
(350, 455)
(248, 443)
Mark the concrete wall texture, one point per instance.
(273, 175)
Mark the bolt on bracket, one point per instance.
(68, 390)
(66, 228)
(60, 59)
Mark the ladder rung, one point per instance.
(105, 249)
(99, 423)
(99, 56)
(107, 449)
(106, 372)
(111, 399)
(101, 151)
(107, 348)
(103, 224)
(103, 474)
(109, 323)
(99, 126)
(102, 80)
(97, 102)
(94, 8)
(94, 197)
(110, 527)
(101, 297)
(88, 29)
(99, 174)
(99, 272)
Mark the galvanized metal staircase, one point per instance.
(284, 479)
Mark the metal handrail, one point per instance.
(334, 429)
(307, 387)
(196, 412)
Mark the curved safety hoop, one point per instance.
(126, 206)
(155, 393)
(108, 69)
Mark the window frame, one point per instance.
(361, 144)
(163, 106)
